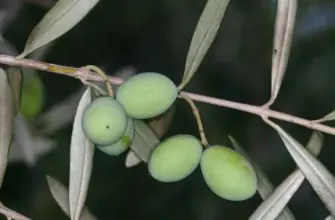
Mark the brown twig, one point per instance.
(197, 117)
(257, 110)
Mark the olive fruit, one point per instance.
(104, 121)
(175, 158)
(228, 174)
(146, 95)
(121, 145)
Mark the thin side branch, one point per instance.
(92, 76)
(198, 118)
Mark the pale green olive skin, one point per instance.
(121, 145)
(228, 174)
(104, 121)
(175, 158)
(146, 95)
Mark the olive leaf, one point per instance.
(161, 124)
(275, 203)
(204, 34)
(315, 143)
(264, 187)
(6, 47)
(10, 10)
(328, 117)
(61, 114)
(330, 218)
(14, 74)
(81, 160)
(272, 206)
(316, 173)
(61, 18)
(285, 20)
(145, 140)
(132, 159)
(26, 147)
(15, 81)
(6, 121)
(61, 195)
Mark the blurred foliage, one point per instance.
(154, 36)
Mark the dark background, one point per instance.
(154, 36)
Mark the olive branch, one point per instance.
(77, 73)
(55, 24)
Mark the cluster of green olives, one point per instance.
(109, 123)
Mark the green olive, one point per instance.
(228, 174)
(121, 145)
(175, 158)
(104, 121)
(146, 95)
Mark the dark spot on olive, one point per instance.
(107, 126)
(275, 52)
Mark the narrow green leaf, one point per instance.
(318, 176)
(265, 188)
(6, 121)
(204, 35)
(272, 206)
(61, 18)
(275, 203)
(15, 81)
(60, 193)
(284, 26)
(81, 160)
(145, 140)
(328, 117)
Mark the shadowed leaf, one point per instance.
(318, 176)
(6, 47)
(60, 115)
(204, 35)
(60, 193)
(265, 188)
(13, 73)
(61, 18)
(81, 160)
(162, 123)
(6, 121)
(15, 81)
(315, 143)
(284, 26)
(25, 146)
(145, 140)
(275, 203)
